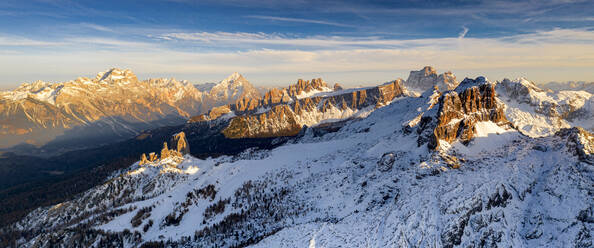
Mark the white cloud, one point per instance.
(286, 19)
(16, 41)
(554, 55)
(96, 27)
(463, 33)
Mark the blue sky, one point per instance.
(276, 42)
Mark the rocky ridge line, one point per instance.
(288, 114)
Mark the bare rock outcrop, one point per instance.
(153, 157)
(164, 151)
(179, 143)
(580, 142)
(143, 159)
(249, 105)
(427, 78)
(474, 100)
(275, 96)
(306, 86)
(289, 119)
(179, 147)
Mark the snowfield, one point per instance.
(368, 184)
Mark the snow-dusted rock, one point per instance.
(114, 105)
(538, 113)
(427, 78)
(507, 189)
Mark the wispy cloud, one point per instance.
(463, 33)
(16, 41)
(96, 27)
(558, 54)
(300, 20)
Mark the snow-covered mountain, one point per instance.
(233, 88)
(538, 112)
(114, 105)
(571, 85)
(444, 169)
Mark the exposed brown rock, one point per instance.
(459, 110)
(275, 96)
(180, 144)
(164, 151)
(306, 86)
(279, 121)
(213, 114)
(247, 103)
(427, 78)
(143, 160)
(283, 119)
(152, 157)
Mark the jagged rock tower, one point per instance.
(179, 143)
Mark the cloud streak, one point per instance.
(299, 20)
(463, 33)
(553, 55)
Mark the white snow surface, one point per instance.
(539, 113)
(323, 91)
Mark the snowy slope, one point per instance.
(367, 185)
(538, 113)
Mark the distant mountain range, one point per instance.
(427, 162)
(115, 105)
(571, 85)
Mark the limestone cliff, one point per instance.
(248, 105)
(288, 119)
(458, 110)
(427, 78)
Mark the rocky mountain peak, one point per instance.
(233, 88)
(116, 75)
(458, 112)
(427, 78)
(428, 71)
(234, 79)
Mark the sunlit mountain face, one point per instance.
(296, 124)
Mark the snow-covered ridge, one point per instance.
(368, 184)
(538, 113)
(288, 118)
(233, 88)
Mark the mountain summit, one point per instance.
(116, 75)
(233, 88)
(427, 78)
(114, 105)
